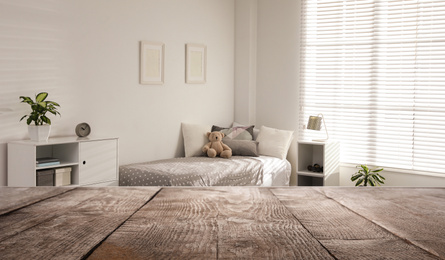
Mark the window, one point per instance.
(376, 70)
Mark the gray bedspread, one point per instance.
(196, 171)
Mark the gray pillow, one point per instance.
(235, 133)
(243, 147)
(256, 131)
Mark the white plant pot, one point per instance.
(39, 132)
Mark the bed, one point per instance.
(204, 171)
(222, 223)
(259, 159)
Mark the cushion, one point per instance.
(242, 147)
(194, 138)
(235, 133)
(256, 131)
(274, 142)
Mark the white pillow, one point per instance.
(274, 142)
(194, 138)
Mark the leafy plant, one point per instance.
(39, 109)
(367, 176)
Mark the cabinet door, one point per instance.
(98, 161)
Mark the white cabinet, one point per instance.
(92, 161)
(98, 161)
(326, 155)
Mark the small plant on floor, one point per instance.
(39, 109)
(366, 176)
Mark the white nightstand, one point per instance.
(92, 160)
(325, 154)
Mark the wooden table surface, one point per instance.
(222, 223)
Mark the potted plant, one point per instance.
(366, 176)
(42, 124)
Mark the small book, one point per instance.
(47, 164)
(47, 160)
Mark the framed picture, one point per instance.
(195, 63)
(152, 63)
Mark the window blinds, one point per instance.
(376, 70)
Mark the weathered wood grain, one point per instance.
(254, 224)
(212, 223)
(326, 218)
(376, 249)
(415, 214)
(223, 222)
(70, 225)
(15, 198)
(338, 228)
(176, 224)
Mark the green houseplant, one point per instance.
(365, 176)
(39, 107)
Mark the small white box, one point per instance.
(63, 176)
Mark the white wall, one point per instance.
(267, 62)
(278, 63)
(277, 69)
(246, 12)
(86, 55)
(275, 90)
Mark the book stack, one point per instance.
(47, 161)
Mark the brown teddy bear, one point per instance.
(216, 146)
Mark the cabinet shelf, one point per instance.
(62, 164)
(92, 160)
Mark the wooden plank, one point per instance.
(414, 214)
(68, 226)
(14, 198)
(212, 223)
(176, 224)
(376, 249)
(341, 230)
(254, 224)
(325, 218)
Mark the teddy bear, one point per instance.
(216, 146)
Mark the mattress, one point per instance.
(205, 171)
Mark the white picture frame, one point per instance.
(151, 63)
(195, 63)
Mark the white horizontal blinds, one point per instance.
(376, 70)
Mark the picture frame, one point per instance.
(195, 63)
(152, 63)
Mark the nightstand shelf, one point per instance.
(325, 154)
(311, 174)
(92, 160)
